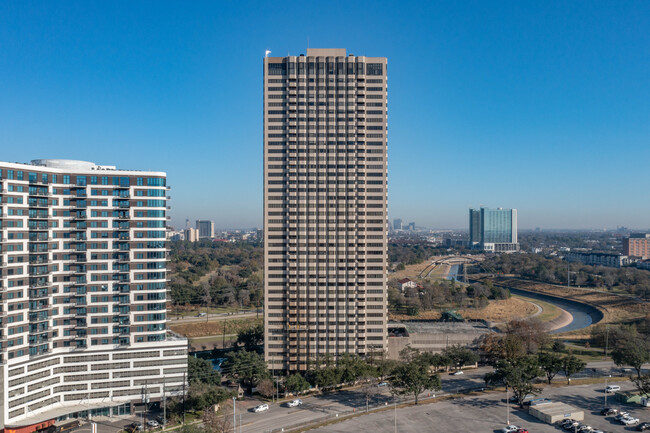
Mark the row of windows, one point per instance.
(323, 67)
(79, 179)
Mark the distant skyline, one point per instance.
(539, 106)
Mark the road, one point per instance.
(487, 413)
(322, 407)
(217, 316)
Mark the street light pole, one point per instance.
(395, 405)
(234, 417)
(507, 405)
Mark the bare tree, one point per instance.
(369, 388)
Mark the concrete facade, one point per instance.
(82, 290)
(433, 337)
(325, 216)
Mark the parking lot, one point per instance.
(487, 413)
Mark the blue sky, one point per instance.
(541, 106)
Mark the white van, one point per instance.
(612, 388)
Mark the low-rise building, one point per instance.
(407, 283)
(433, 337)
(637, 245)
(614, 260)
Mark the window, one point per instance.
(375, 69)
(277, 69)
(66, 179)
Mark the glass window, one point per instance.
(66, 179)
(93, 180)
(375, 69)
(277, 69)
(81, 180)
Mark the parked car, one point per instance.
(133, 427)
(261, 408)
(609, 411)
(294, 403)
(458, 373)
(570, 425)
(628, 420)
(521, 430)
(153, 423)
(612, 388)
(597, 431)
(643, 426)
(585, 428)
(382, 384)
(621, 415)
(510, 429)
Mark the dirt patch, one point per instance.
(204, 329)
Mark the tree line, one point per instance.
(442, 294)
(233, 267)
(554, 270)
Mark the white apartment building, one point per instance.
(325, 209)
(83, 292)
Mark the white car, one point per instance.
(628, 420)
(261, 408)
(153, 423)
(294, 403)
(458, 373)
(612, 388)
(510, 429)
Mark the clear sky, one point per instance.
(539, 105)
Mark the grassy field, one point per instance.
(411, 271)
(496, 311)
(616, 309)
(549, 311)
(214, 327)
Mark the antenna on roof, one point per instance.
(266, 54)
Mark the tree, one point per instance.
(296, 384)
(458, 356)
(352, 367)
(219, 422)
(248, 368)
(413, 377)
(572, 365)
(202, 395)
(642, 383)
(551, 363)
(266, 387)
(634, 353)
(200, 370)
(369, 389)
(385, 367)
(518, 375)
(498, 347)
(251, 338)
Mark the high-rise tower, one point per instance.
(325, 217)
(83, 292)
